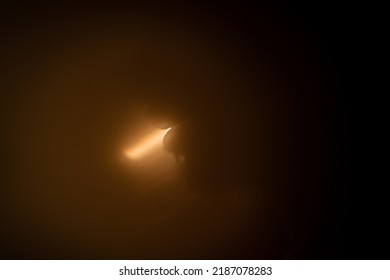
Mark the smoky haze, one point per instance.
(248, 173)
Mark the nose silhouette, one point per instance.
(171, 142)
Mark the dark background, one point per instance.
(255, 90)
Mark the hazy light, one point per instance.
(148, 144)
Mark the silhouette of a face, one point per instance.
(243, 114)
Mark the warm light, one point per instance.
(148, 144)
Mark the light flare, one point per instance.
(147, 145)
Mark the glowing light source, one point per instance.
(147, 145)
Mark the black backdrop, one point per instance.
(264, 114)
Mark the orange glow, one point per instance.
(148, 144)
